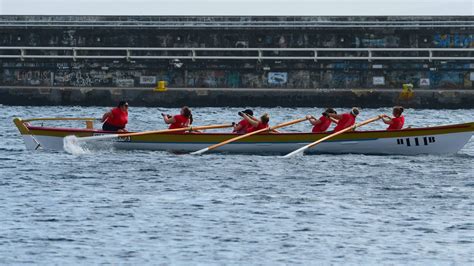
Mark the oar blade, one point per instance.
(199, 152)
(293, 153)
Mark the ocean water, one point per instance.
(142, 207)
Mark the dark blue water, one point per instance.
(142, 207)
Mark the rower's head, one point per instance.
(123, 105)
(397, 111)
(186, 111)
(247, 112)
(329, 111)
(354, 111)
(265, 118)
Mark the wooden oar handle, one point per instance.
(331, 136)
(368, 121)
(288, 123)
(256, 132)
(344, 131)
(248, 135)
(111, 136)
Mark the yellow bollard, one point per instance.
(161, 86)
(407, 91)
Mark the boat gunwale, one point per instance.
(82, 130)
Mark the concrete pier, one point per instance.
(237, 97)
(237, 61)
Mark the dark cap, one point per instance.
(329, 111)
(247, 112)
(122, 103)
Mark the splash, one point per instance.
(73, 146)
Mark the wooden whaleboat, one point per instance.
(446, 139)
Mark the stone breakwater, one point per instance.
(238, 97)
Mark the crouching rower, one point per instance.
(345, 120)
(258, 124)
(323, 123)
(243, 125)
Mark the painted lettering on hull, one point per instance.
(416, 141)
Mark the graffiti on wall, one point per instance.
(253, 80)
(75, 79)
(213, 79)
(232, 79)
(453, 40)
(372, 42)
(299, 79)
(33, 77)
(277, 78)
(328, 75)
(340, 79)
(147, 80)
(447, 79)
(80, 78)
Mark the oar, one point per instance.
(247, 135)
(111, 136)
(331, 136)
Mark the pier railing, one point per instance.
(205, 22)
(260, 54)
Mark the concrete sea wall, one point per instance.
(89, 60)
(237, 33)
(222, 97)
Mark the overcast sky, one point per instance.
(238, 7)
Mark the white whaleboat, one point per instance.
(446, 139)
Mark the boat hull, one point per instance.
(431, 140)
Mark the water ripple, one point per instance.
(144, 207)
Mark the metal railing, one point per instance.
(245, 23)
(260, 54)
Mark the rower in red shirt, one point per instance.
(243, 125)
(323, 123)
(397, 122)
(257, 124)
(117, 118)
(345, 120)
(184, 119)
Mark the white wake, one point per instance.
(73, 146)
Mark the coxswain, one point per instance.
(184, 119)
(345, 120)
(323, 123)
(243, 125)
(397, 121)
(116, 119)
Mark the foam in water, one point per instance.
(72, 145)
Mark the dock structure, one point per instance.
(199, 53)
